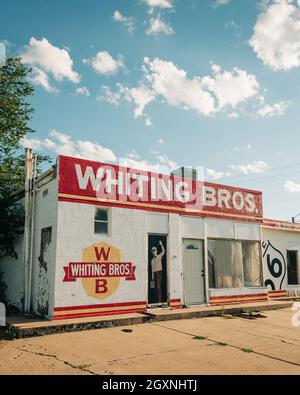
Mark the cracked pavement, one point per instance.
(215, 345)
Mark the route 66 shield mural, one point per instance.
(274, 265)
(101, 270)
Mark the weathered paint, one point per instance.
(278, 238)
(99, 183)
(72, 221)
(43, 278)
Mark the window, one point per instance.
(234, 264)
(292, 267)
(252, 264)
(101, 220)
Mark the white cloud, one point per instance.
(291, 186)
(63, 144)
(104, 63)
(148, 120)
(233, 115)
(109, 96)
(162, 164)
(133, 155)
(140, 96)
(231, 87)
(126, 21)
(157, 26)
(276, 37)
(221, 92)
(164, 159)
(257, 167)
(216, 175)
(172, 84)
(50, 59)
(41, 78)
(206, 95)
(160, 141)
(218, 3)
(277, 109)
(83, 91)
(165, 4)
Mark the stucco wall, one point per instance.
(43, 259)
(276, 243)
(128, 232)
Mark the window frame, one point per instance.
(108, 222)
(243, 281)
(297, 267)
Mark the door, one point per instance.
(157, 269)
(193, 272)
(43, 279)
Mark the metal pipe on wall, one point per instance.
(32, 212)
(27, 223)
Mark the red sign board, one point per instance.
(85, 181)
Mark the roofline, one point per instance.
(48, 173)
(280, 225)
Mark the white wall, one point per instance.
(224, 229)
(277, 242)
(13, 269)
(45, 217)
(76, 231)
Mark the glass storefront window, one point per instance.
(234, 264)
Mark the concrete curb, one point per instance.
(22, 331)
(220, 311)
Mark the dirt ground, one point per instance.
(218, 345)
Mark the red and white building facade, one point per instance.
(96, 228)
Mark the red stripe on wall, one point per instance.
(239, 296)
(238, 301)
(277, 294)
(82, 315)
(97, 306)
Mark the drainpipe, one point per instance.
(32, 215)
(27, 224)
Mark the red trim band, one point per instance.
(97, 306)
(239, 296)
(82, 315)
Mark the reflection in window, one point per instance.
(101, 221)
(234, 264)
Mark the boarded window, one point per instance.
(292, 267)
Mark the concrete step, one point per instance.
(21, 327)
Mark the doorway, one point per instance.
(157, 270)
(193, 272)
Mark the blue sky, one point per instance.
(164, 83)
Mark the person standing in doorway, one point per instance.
(157, 270)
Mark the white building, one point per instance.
(105, 239)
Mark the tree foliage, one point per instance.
(15, 116)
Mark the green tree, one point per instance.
(15, 116)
